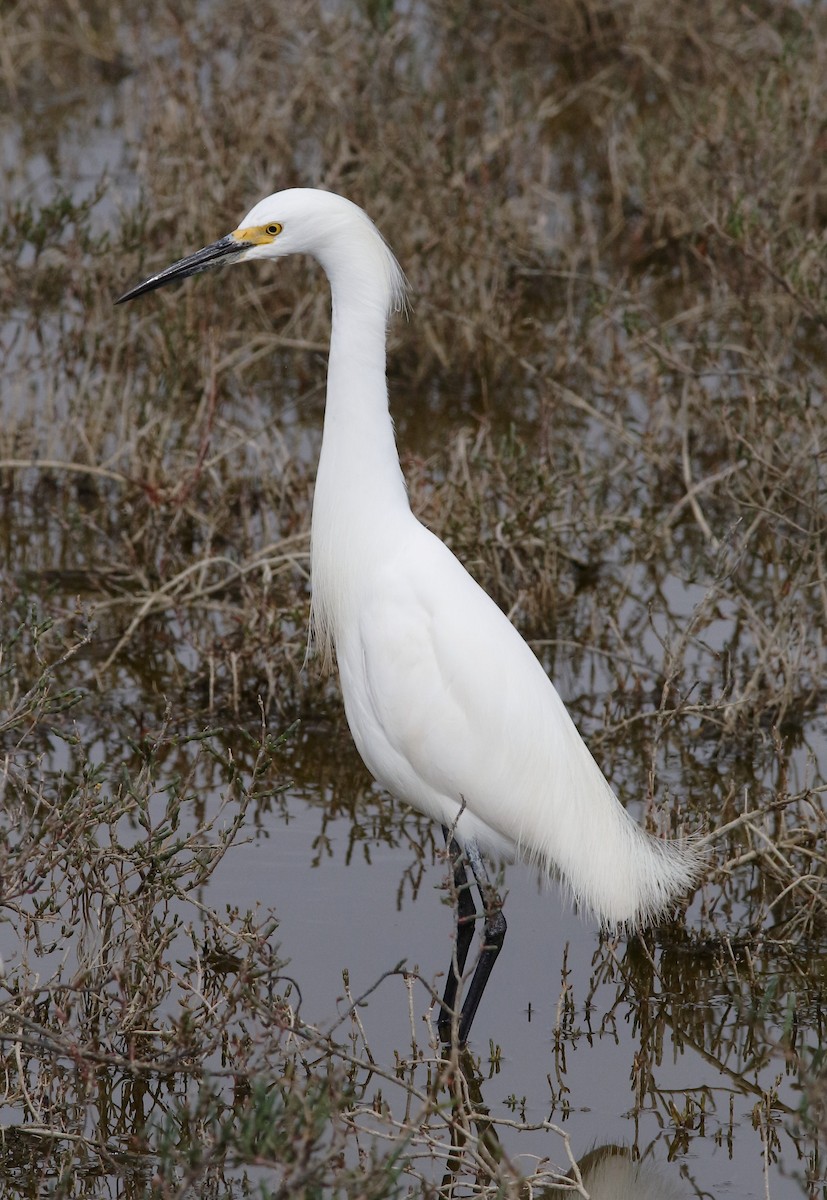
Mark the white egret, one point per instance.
(448, 707)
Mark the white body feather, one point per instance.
(448, 706)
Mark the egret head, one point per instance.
(300, 220)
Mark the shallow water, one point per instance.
(691, 1071)
(696, 1067)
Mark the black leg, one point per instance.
(466, 919)
(494, 934)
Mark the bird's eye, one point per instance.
(274, 230)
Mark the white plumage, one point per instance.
(448, 706)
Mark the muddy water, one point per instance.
(691, 1068)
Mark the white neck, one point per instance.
(360, 494)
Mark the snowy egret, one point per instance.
(448, 707)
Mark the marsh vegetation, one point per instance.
(609, 399)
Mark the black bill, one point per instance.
(225, 250)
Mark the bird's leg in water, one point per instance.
(494, 935)
(466, 919)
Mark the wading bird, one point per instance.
(448, 707)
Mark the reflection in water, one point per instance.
(604, 1173)
(609, 1173)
